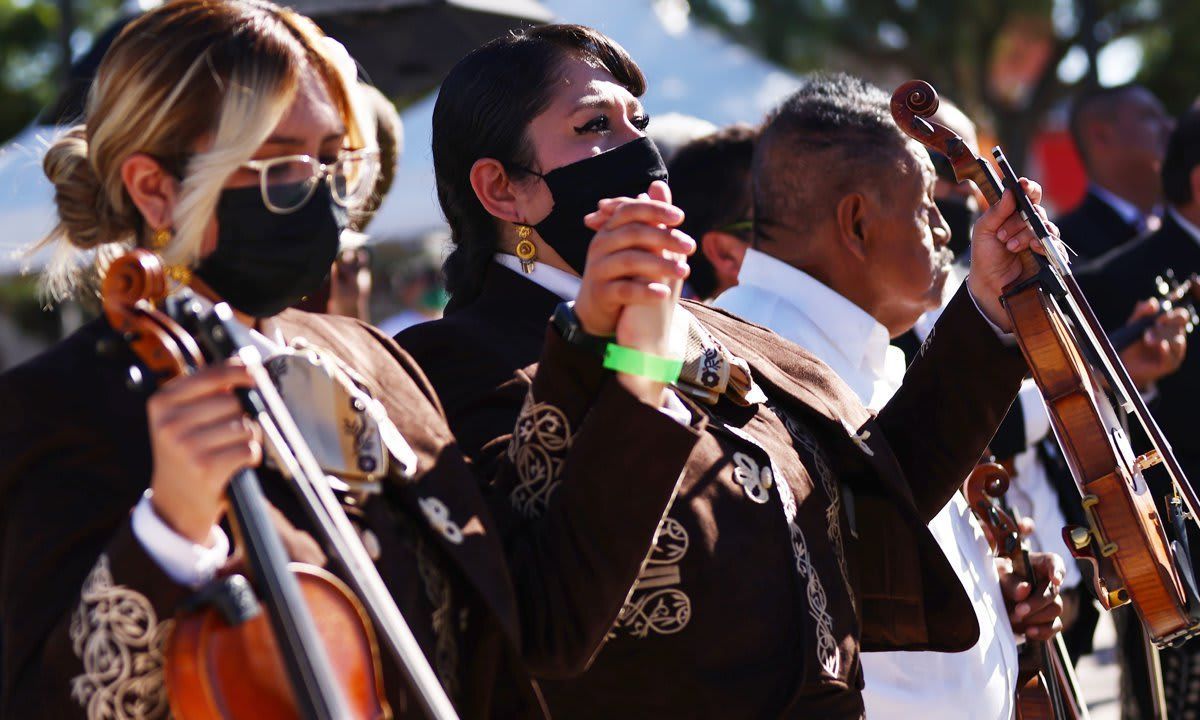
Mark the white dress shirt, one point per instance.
(978, 683)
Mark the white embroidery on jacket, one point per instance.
(116, 634)
(754, 480)
(833, 511)
(538, 450)
(438, 516)
(828, 652)
(656, 604)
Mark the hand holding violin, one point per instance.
(199, 437)
(1037, 615)
(999, 236)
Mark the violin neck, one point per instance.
(318, 695)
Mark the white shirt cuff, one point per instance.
(184, 561)
(676, 410)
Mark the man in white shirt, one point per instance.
(850, 251)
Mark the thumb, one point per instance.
(660, 191)
(1144, 308)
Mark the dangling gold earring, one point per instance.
(179, 273)
(162, 237)
(526, 250)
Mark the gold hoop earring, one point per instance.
(526, 250)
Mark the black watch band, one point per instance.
(567, 324)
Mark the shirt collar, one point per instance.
(849, 329)
(1184, 223)
(1129, 212)
(561, 283)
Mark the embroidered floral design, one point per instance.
(439, 517)
(655, 604)
(116, 634)
(833, 512)
(538, 450)
(754, 480)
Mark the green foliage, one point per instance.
(30, 52)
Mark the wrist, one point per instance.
(188, 525)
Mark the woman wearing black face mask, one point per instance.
(798, 530)
(237, 156)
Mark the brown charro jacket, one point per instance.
(726, 620)
(84, 609)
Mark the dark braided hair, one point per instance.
(483, 109)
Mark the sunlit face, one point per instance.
(311, 126)
(590, 113)
(907, 259)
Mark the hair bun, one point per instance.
(85, 212)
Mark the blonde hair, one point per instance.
(223, 72)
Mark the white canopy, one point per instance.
(691, 69)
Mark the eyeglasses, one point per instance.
(288, 182)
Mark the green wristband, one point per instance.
(636, 362)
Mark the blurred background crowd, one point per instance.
(1014, 67)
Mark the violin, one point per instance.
(1140, 557)
(297, 641)
(1046, 683)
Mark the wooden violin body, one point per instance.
(216, 668)
(308, 650)
(1125, 538)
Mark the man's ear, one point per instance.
(851, 224)
(153, 190)
(494, 188)
(725, 252)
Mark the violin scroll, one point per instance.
(132, 285)
(918, 97)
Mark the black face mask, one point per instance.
(577, 188)
(265, 262)
(960, 218)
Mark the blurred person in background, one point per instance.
(710, 182)
(347, 291)
(1113, 283)
(673, 130)
(416, 285)
(1121, 135)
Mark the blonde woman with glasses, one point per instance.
(225, 137)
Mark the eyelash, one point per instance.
(600, 124)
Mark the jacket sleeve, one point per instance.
(578, 484)
(84, 610)
(961, 385)
(589, 473)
